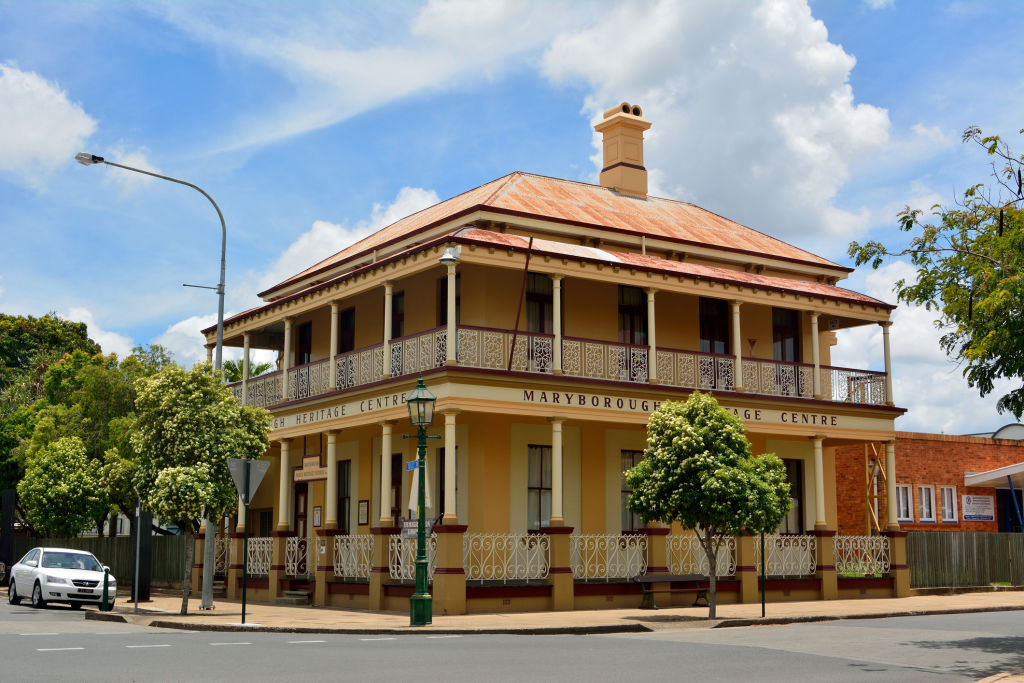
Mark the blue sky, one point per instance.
(313, 123)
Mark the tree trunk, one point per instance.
(712, 554)
(99, 525)
(190, 550)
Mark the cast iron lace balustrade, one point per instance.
(236, 391)
(607, 556)
(788, 555)
(778, 378)
(300, 556)
(418, 352)
(853, 386)
(484, 347)
(261, 551)
(685, 555)
(363, 366)
(265, 390)
(506, 557)
(402, 557)
(604, 360)
(311, 379)
(861, 555)
(696, 370)
(221, 555)
(353, 556)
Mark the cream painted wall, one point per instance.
(488, 474)
(676, 322)
(461, 470)
(803, 451)
(756, 323)
(616, 441)
(591, 309)
(525, 435)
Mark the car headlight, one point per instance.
(57, 579)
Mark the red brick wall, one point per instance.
(936, 459)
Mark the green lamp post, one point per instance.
(421, 414)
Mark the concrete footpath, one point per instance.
(163, 610)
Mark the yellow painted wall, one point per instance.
(803, 451)
(591, 309)
(756, 323)
(521, 437)
(488, 474)
(676, 321)
(616, 441)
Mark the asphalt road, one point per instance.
(57, 644)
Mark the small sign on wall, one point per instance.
(979, 508)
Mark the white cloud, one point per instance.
(325, 239)
(753, 113)
(110, 342)
(926, 382)
(39, 127)
(129, 181)
(184, 339)
(879, 4)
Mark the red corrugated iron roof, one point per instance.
(566, 201)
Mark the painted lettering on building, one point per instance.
(368, 405)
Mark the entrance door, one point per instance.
(301, 495)
(792, 523)
(304, 349)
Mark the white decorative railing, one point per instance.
(236, 390)
(299, 556)
(261, 551)
(788, 555)
(311, 379)
(402, 557)
(686, 556)
(604, 360)
(364, 366)
(778, 378)
(353, 556)
(418, 352)
(861, 555)
(221, 554)
(506, 557)
(696, 370)
(480, 347)
(853, 386)
(264, 390)
(607, 556)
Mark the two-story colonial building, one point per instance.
(550, 317)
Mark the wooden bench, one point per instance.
(647, 582)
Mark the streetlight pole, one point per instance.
(421, 414)
(87, 159)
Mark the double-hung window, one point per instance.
(926, 503)
(630, 520)
(948, 494)
(904, 503)
(538, 496)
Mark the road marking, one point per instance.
(378, 639)
(444, 636)
(57, 649)
(230, 643)
(38, 634)
(297, 642)
(147, 645)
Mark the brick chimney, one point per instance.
(623, 130)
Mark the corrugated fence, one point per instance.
(941, 559)
(119, 554)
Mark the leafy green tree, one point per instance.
(233, 369)
(698, 470)
(187, 425)
(61, 489)
(970, 262)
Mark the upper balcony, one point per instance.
(534, 353)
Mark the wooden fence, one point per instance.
(953, 558)
(118, 553)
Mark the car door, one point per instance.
(23, 571)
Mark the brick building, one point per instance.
(931, 473)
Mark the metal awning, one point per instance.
(999, 478)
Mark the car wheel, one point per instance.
(37, 597)
(12, 594)
(76, 605)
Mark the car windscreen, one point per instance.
(62, 560)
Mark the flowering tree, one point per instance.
(698, 471)
(61, 490)
(187, 425)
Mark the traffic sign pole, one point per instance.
(245, 540)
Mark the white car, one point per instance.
(59, 575)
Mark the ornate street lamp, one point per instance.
(421, 414)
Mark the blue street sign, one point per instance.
(412, 464)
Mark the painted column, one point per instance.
(387, 331)
(283, 488)
(246, 344)
(385, 473)
(890, 486)
(815, 356)
(234, 585)
(652, 353)
(888, 362)
(556, 322)
(736, 347)
(331, 504)
(556, 471)
(209, 353)
(334, 347)
(819, 483)
(450, 339)
(286, 361)
(240, 526)
(450, 511)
